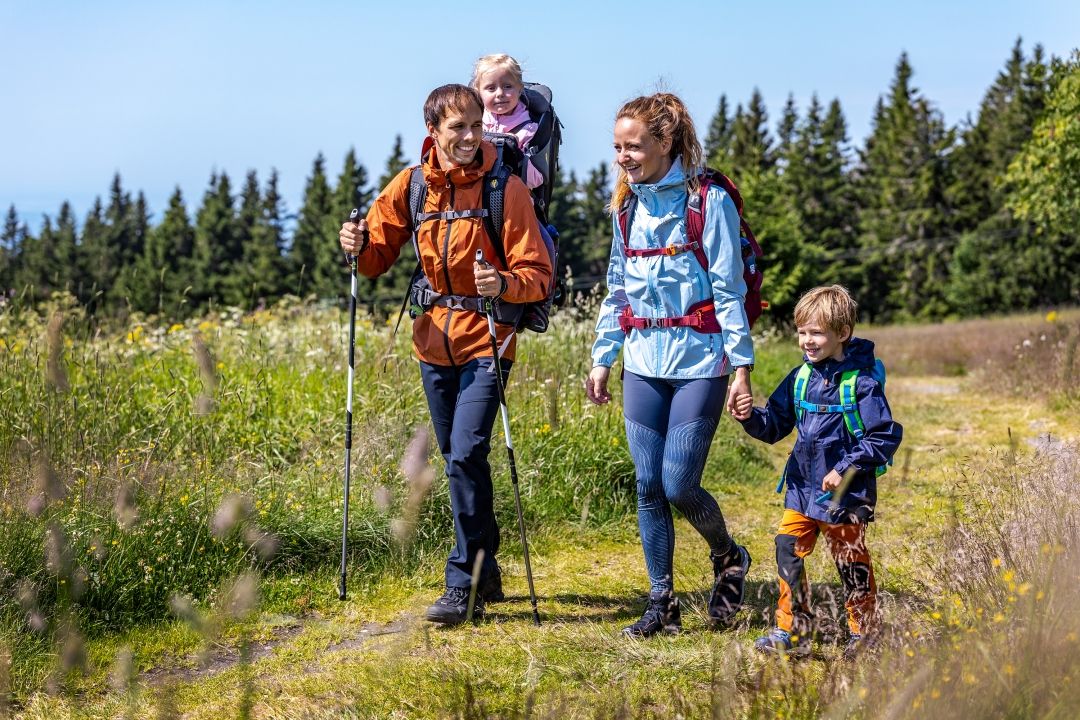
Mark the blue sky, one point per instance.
(165, 94)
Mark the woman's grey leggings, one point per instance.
(669, 427)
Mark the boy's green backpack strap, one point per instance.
(802, 379)
(849, 402)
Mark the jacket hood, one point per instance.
(459, 175)
(859, 355)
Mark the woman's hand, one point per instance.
(489, 283)
(353, 237)
(743, 405)
(739, 387)
(596, 385)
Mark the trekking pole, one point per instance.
(489, 310)
(355, 217)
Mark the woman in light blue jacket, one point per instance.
(676, 312)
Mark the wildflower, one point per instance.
(999, 617)
(996, 562)
(1051, 316)
(175, 327)
(1023, 589)
(1009, 669)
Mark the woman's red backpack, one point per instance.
(695, 227)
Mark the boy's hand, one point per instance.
(743, 405)
(832, 481)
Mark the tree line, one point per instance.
(924, 221)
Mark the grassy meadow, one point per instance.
(170, 521)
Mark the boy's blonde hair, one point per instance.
(832, 306)
(488, 63)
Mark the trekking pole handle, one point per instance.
(355, 217)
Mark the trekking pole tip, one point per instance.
(341, 587)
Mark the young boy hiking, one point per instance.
(846, 437)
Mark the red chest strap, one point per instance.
(701, 317)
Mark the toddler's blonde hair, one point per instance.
(831, 305)
(502, 61)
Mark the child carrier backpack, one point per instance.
(421, 296)
(543, 150)
(848, 406)
(702, 315)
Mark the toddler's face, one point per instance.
(820, 343)
(500, 91)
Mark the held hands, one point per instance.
(596, 385)
(353, 237)
(743, 405)
(740, 398)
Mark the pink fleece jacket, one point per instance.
(505, 124)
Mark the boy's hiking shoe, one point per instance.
(662, 615)
(781, 642)
(728, 585)
(453, 607)
(491, 588)
(858, 645)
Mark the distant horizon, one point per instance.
(166, 97)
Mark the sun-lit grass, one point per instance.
(145, 468)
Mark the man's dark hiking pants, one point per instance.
(464, 401)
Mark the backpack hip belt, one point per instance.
(701, 317)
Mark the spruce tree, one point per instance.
(168, 262)
(94, 250)
(215, 232)
(7, 251)
(905, 220)
(262, 271)
(718, 138)
(751, 144)
(397, 162)
(309, 242)
(386, 292)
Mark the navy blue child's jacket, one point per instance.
(824, 443)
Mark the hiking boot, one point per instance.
(857, 645)
(781, 642)
(491, 588)
(729, 583)
(453, 606)
(662, 615)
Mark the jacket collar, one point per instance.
(859, 355)
(458, 176)
(671, 189)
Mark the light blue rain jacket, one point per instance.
(667, 285)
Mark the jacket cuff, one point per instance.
(843, 466)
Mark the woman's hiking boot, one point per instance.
(781, 642)
(662, 615)
(453, 607)
(729, 584)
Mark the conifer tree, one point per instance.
(307, 272)
(7, 250)
(264, 264)
(718, 138)
(751, 144)
(397, 162)
(215, 231)
(168, 262)
(62, 271)
(93, 251)
(31, 274)
(785, 133)
(904, 217)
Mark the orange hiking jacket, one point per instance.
(442, 336)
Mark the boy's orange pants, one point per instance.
(795, 540)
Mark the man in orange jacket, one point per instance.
(453, 344)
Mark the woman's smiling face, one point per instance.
(644, 158)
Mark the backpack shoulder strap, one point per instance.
(417, 197)
(626, 218)
(695, 217)
(493, 199)
(849, 401)
(802, 379)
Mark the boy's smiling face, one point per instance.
(821, 343)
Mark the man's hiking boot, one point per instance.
(662, 615)
(453, 607)
(781, 642)
(729, 584)
(491, 588)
